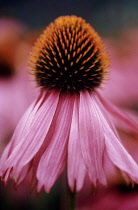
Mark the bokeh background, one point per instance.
(21, 22)
(106, 16)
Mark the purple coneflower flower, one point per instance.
(69, 124)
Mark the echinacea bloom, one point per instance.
(69, 124)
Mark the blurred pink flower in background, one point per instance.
(122, 87)
(15, 88)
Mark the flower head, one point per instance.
(69, 56)
(69, 124)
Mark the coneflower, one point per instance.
(69, 124)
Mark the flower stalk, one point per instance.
(71, 199)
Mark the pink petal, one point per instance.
(76, 166)
(91, 138)
(54, 158)
(116, 152)
(23, 173)
(126, 119)
(30, 141)
(106, 114)
(22, 127)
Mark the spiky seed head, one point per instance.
(69, 56)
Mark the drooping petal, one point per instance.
(76, 167)
(116, 152)
(106, 114)
(30, 141)
(126, 119)
(91, 138)
(54, 158)
(21, 128)
(22, 174)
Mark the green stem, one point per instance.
(71, 199)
